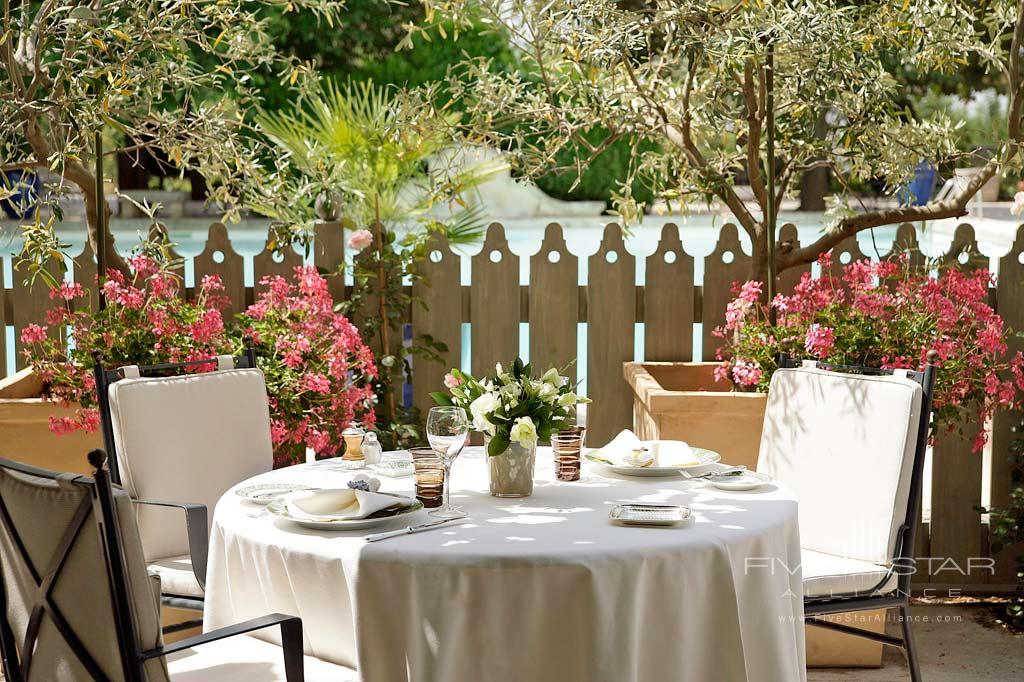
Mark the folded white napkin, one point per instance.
(335, 504)
(666, 453)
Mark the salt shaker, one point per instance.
(371, 448)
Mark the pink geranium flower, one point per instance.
(886, 315)
(819, 340)
(33, 333)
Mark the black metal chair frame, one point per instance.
(101, 501)
(196, 515)
(903, 557)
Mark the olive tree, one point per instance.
(713, 84)
(168, 75)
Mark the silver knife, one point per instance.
(408, 530)
(731, 471)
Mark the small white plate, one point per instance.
(747, 481)
(278, 508)
(266, 493)
(704, 457)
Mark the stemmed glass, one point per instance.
(447, 430)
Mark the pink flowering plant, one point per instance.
(883, 315)
(319, 372)
(145, 321)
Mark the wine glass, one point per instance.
(447, 430)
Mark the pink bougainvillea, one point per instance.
(146, 321)
(883, 315)
(318, 370)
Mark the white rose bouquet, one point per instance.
(513, 406)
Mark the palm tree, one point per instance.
(383, 151)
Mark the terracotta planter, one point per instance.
(682, 401)
(26, 436)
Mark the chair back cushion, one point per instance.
(845, 444)
(188, 439)
(40, 510)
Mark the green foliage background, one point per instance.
(362, 47)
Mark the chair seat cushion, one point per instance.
(247, 659)
(827, 575)
(177, 577)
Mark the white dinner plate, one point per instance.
(704, 457)
(747, 481)
(278, 508)
(265, 493)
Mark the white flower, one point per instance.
(388, 360)
(498, 369)
(480, 408)
(524, 432)
(567, 400)
(1018, 203)
(547, 392)
(551, 377)
(511, 391)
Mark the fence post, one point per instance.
(726, 264)
(219, 258)
(554, 303)
(440, 317)
(329, 254)
(494, 303)
(668, 300)
(611, 315)
(955, 528)
(1010, 295)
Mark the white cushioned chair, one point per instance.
(180, 443)
(77, 604)
(851, 445)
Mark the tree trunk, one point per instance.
(814, 183)
(814, 186)
(113, 259)
(759, 260)
(75, 171)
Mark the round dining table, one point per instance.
(545, 588)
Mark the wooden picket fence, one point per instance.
(668, 304)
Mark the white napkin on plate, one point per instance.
(338, 504)
(666, 453)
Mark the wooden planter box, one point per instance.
(25, 435)
(682, 401)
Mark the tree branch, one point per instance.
(681, 137)
(950, 208)
(74, 171)
(753, 136)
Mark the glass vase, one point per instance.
(511, 472)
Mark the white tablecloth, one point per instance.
(542, 589)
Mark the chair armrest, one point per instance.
(291, 641)
(198, 533)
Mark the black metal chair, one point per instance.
(889, 586)
(150, 416)
(76, 603)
